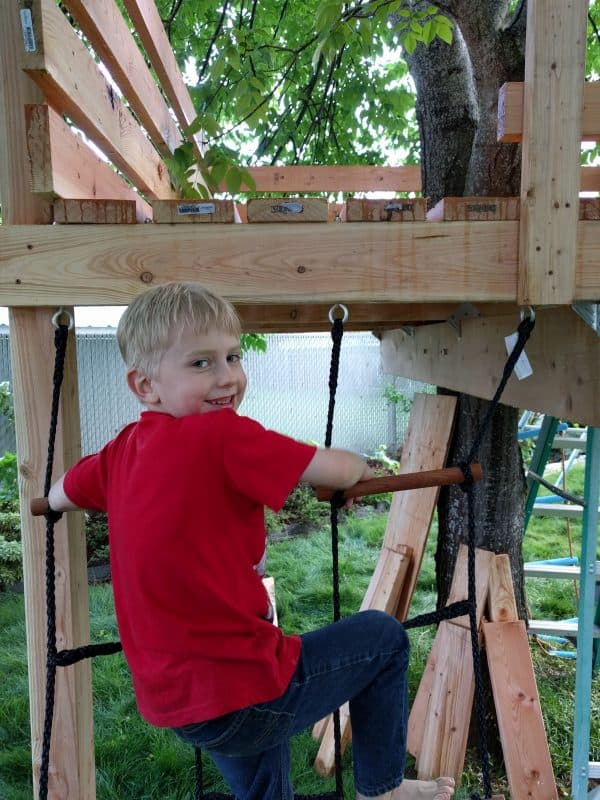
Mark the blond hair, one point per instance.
(154, 318)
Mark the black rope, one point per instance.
(337, 332)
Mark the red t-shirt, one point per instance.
(185, 499)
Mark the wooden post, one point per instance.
(72, 772)
(552, 113)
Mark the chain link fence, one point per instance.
(288, 390)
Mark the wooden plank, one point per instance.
(524, 744)
(510, 112)
(448, 709)
(502, 606)
(192, 211)
(382, 593)
(459, 589)
(563, 352)
(72, 773)
(425, 447)
(148, 26)
(266, 263)
(336, 179)
(291, 210)
(474, 209)
(269, 584)
(62, 165)
(589, 179)
(552, 104)
(562, 510)
(486, 209)
(75, 86)
(107, 32)
(94, 212)
(394, 210)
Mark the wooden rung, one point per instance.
(325, 760)
(394, 210)
(94, 212)
(192, 211)
(290, 209)
(522, 733)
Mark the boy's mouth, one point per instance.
(221, 401)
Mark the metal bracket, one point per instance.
(464, 311)
(589, 313)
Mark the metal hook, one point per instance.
(528, 312)
(60, 313)
(334, 308)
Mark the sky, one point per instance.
(85, 316)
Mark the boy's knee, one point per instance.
(389, 627)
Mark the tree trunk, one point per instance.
(457, 93)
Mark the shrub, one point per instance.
(11, 562)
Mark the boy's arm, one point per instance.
(58, 498)
(336, 469)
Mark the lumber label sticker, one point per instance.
(195, 208)
(28, 34)
(288, 208)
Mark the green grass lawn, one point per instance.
(134, 760)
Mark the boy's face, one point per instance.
(198, 374)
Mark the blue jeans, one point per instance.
(362, 658)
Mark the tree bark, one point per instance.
(457, 96)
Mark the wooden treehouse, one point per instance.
(72, 234)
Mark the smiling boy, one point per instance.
(185, 489)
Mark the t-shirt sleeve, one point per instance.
(85, 483)
(262, 464)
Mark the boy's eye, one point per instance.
(200, 363)
(234, 358)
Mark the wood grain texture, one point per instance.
(563, 350)
(522, 733)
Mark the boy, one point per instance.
(185, 488)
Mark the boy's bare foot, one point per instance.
(439, 789)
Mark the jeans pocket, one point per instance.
(213, 732)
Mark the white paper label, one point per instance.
(195, 208)
(523, 367)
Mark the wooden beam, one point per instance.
(419, 262)
(72, 772)
(336, 179)
(354, 262)
(552, 104)
(62, 164)
(510, 112)
(76, 87)
(107, 32)
(362, 316)
(148, 26)
(563, 350)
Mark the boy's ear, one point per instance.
(142, 387)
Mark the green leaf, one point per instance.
(444, 33)
(233, 180)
